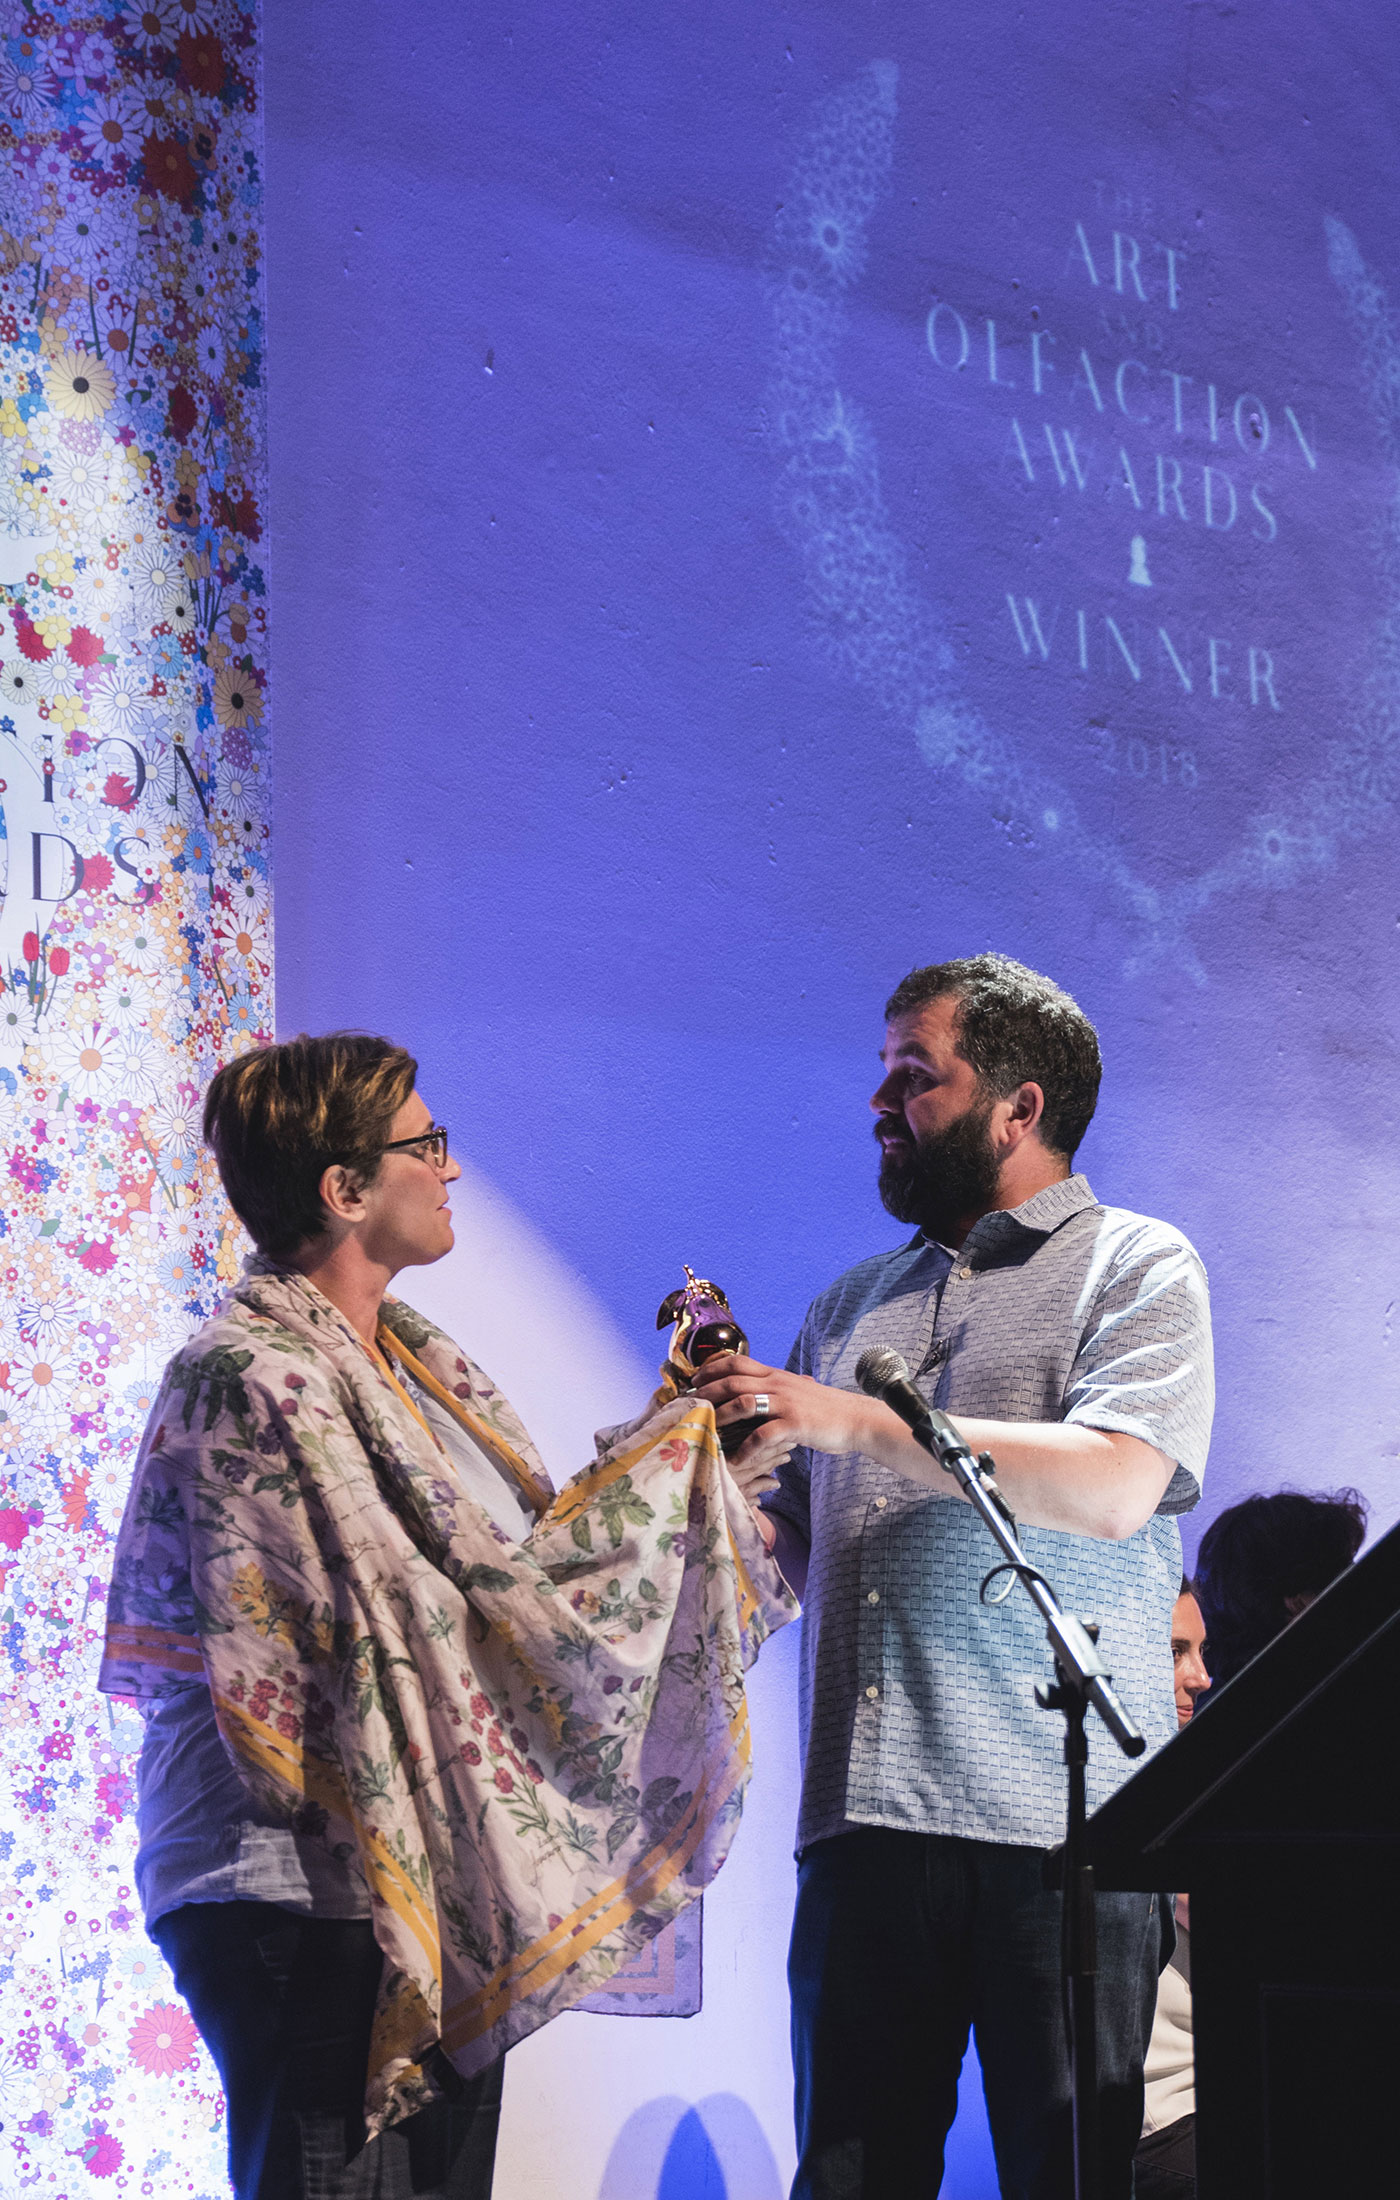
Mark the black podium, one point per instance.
(1278, 1810)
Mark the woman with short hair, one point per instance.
(1263, 1561)
(429, 1752)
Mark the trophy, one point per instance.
(704, 1325)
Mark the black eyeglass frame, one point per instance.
(434, 1135)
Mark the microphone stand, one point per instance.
(1081, 1679)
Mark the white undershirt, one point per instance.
(1169, 2074)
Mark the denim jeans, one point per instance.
(285, 2004)
(904, 1942)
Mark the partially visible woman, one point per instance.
(306, 1494)
(1164, 2167)
(1264, 1561)
(1261, 1563)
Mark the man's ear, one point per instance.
(342, 1193)
(1026, 1106)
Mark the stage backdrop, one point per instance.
(763, 497)
(769, 495)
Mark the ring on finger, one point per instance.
(762, 1404)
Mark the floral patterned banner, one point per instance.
(134, 958)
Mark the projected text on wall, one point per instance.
(1120, 489)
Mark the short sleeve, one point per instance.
(1144, 1366)
(792, 1499)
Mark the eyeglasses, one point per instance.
(430, 1145)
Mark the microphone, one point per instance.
(885, 1374)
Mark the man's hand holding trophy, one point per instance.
(705, 1336)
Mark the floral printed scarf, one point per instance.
(536, 1753)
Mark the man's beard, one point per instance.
(943, 1180)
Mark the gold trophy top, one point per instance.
(704, 1324)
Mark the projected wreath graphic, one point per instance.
(892, 637)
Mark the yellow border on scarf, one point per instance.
(575, 1499)
(488, 1438)
(560, 1948)
(581, 1492)
(642, 1888)
(323, 1783)
(535, 1967)
(160, 1647)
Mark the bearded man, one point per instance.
(1071, 1340)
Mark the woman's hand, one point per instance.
(800, 1411)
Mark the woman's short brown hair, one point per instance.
(278, 1117)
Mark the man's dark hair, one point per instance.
(277, 1117)
(1015, 1027)
(1258, 1554)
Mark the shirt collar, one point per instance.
(1039, 1216)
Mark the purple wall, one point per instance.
(672, 645)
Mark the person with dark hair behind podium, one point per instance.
(1261, 1563)
(1165, 2165)
(1264, 1561)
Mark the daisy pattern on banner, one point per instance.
(134, 958)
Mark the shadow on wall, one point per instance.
(717, 2150)
(969, 2170)
(669, 2150)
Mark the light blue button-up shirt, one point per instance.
(917, 1701)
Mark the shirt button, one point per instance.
(872, 1692)
(880, 1504)
(873, 1597)
(964, 1273)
